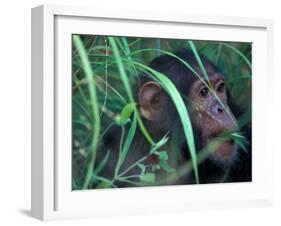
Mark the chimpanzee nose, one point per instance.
(217, 109)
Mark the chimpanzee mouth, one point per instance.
(223, 150)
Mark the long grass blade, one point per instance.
(194, 50)
(94, 104)
(102, 164)
(170, 88)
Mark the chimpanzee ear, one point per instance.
(151, 100)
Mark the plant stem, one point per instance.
(133, 165)
(120, 152)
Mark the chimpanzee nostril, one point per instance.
(220, 110)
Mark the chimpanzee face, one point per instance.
(211, 116)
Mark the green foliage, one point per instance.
(104, 71)
(148, 177)
(240, 140)
(124, 149)
(94, 103)
(126, 113)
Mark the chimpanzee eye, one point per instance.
(204, 92)
(220, 88)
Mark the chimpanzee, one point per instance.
(210, 115)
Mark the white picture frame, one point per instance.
(52, 197)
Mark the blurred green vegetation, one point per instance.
(104, 70)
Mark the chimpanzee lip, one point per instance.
(225, 150)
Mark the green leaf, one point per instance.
(126, 113)
(142, 167)
(236, 134)
(129, 139)
(240, 140)
(162, 155)
(164, 165)
(148, 177)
